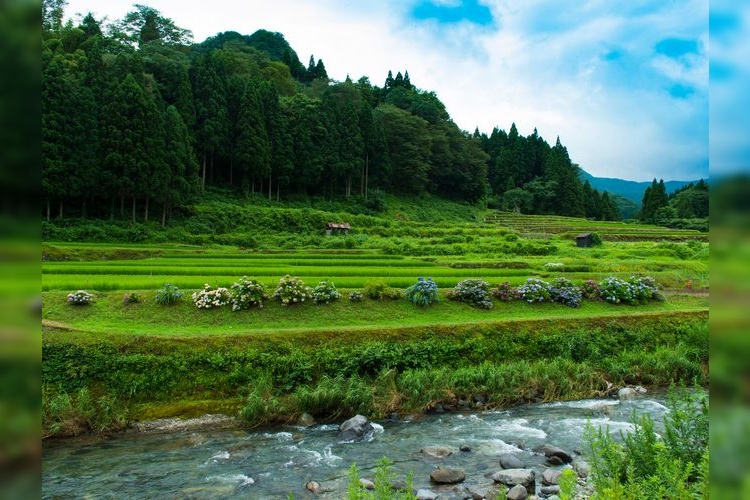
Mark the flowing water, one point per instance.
(273, 463)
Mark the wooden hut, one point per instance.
(337, 228)
(584, 240)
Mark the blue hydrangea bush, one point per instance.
(565, 292)
(473, 291)
(506, 293)
(423, 293)
(168, 295)
(535, 290)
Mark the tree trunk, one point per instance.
(164, 215)
(48, 210)
(253, 184)
(231, 170)
(277, 190)
(269, 187)
(145, 211)
(122, 205)
(83, 208)
(367, 172)
(203, 176)
(348, 186)
(60, 212)
(133, 210)
(112, 208)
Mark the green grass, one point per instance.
(108, 315)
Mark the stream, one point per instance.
(272, 463)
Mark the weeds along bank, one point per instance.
(100, 382)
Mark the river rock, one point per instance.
(306, 419)
(518, 492)
(512, 477)
(626, 393)
(552, 489)
(551, 476)
(484, 491)
(582, 468)
(399, 485)
(550, 451)
(510, 461)
(447, 476)
(436, 451)
(313, 486)
(355, 428)
(424, 494)
(465, 448)
(367, 484)
(640, 389)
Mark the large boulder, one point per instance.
(306, 419)
(355, 428)
(626, 393)
(512, 477)
(550, 451)
(510, 461)
(425, 494)
(518, 492)
(447, 476)
(436, 451)
(582, 468)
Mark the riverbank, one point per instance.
(102, 384)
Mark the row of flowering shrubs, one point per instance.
(636, 290)
(247, 293)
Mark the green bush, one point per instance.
(80, 298)
(210, 297)
(325, 292)
(473, 291)
(422, 293)
(131, 298)
(168, 295)
(292, 291)
(246, 293)
(377, 290)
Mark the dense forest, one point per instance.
(137, 119)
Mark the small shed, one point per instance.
(337, 228)
(584, 240)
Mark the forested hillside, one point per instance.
(137, 119)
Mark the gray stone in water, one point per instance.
(482, 492)
(355, 428)
(424, 494)
(306, 419)
(549, 490)
(640, 389)
(367, 484)
(447, 476)
(398, 485)
(626, 393)
(553, 460)
(518, 492)
(465, 448)
(436, 451)
(313, 486)
(550, 451)
(582, 468)
(510, 461)
(551, 476)
(512, 477)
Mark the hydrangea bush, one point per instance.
(80, 298)
(210, 297)
(615, 290)
(473, 291)
(131, 298)
(644, 289)
(246, 293)
(565, 292)
(535, 290)
(554, 266)
(422, 293)
(355, 296)
(325, 292)
(506, 293)
(591, 290)
(168, 295)
(292, 291)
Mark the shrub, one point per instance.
(591, 290)
(292, 291)
(644, 289)
(596, 240)
(80, 298)
(535, 290)
(210, 297)
(422, 293)
(325, 292)
(475, 292)
(554, 266)
(168, 295)
(565, 292)
(355, 296)
(131, 298)
(614, 290)
(377, 290)
(247, 293)
(506, 293)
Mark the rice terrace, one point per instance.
(261, 281)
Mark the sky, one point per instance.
(625, 85)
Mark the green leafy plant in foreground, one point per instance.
(383, 484)
(644, 465)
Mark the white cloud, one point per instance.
(541, 67)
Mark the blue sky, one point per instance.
(624, 84)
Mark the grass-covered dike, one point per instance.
(100, 382)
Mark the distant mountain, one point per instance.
(632, 190)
